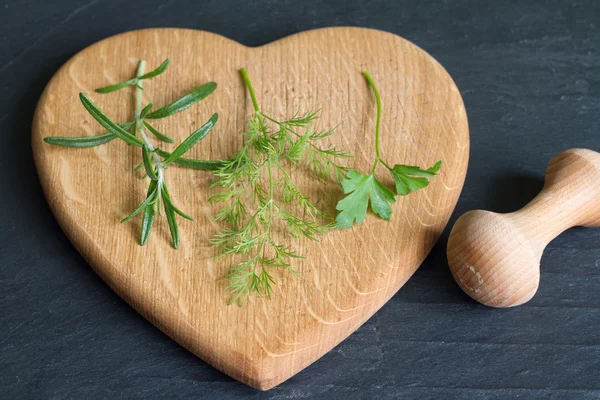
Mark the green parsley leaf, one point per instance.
(362, 190)
(409, 178)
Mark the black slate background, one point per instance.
(529, 72)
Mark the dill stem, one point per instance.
(270, 180)
(268, 161)
(248, 84)
(378, 123)
(271, 189)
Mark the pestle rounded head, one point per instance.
(492, 260)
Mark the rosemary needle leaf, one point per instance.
(148, 164)
(167, 199)
(149, 201)
(113, 88)
(147, 222)
(204, 165)
(140, 165)
(170, 213)
(194, 138)
(127, 125)
(149, 214)
(161, 68)
(156, 133)
(145, 111)
(134, 128)
(108, 123)
(80, 142)
(409, 178)
(134, 81)
(85, 141)
(184, 215)
(186, 101)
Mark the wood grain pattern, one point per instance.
(495, 258)
(347, 277)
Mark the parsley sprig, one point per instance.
(365, 190)
(262, 201)
(155, 161)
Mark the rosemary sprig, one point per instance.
(154, 160)
(365, 190)
(261, 198)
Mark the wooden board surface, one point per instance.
(346, 277)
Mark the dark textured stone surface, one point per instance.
(529, 72)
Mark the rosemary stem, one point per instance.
(378, 123)
(138, 122)
(248, 84)
(138, 90)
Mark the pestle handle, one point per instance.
(495, 257)
(570, 197)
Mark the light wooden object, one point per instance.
(495, 258)
(346, 277)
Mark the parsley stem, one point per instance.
(248, 84)
(378, 123)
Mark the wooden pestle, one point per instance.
(495, 258)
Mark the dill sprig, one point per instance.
(154, 160)
(261, 199)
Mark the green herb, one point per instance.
(154, 160)
(135, 81)
(364, 190)
(263, 200)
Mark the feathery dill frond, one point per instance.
(261, 200)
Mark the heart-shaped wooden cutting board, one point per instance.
(346, 277)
